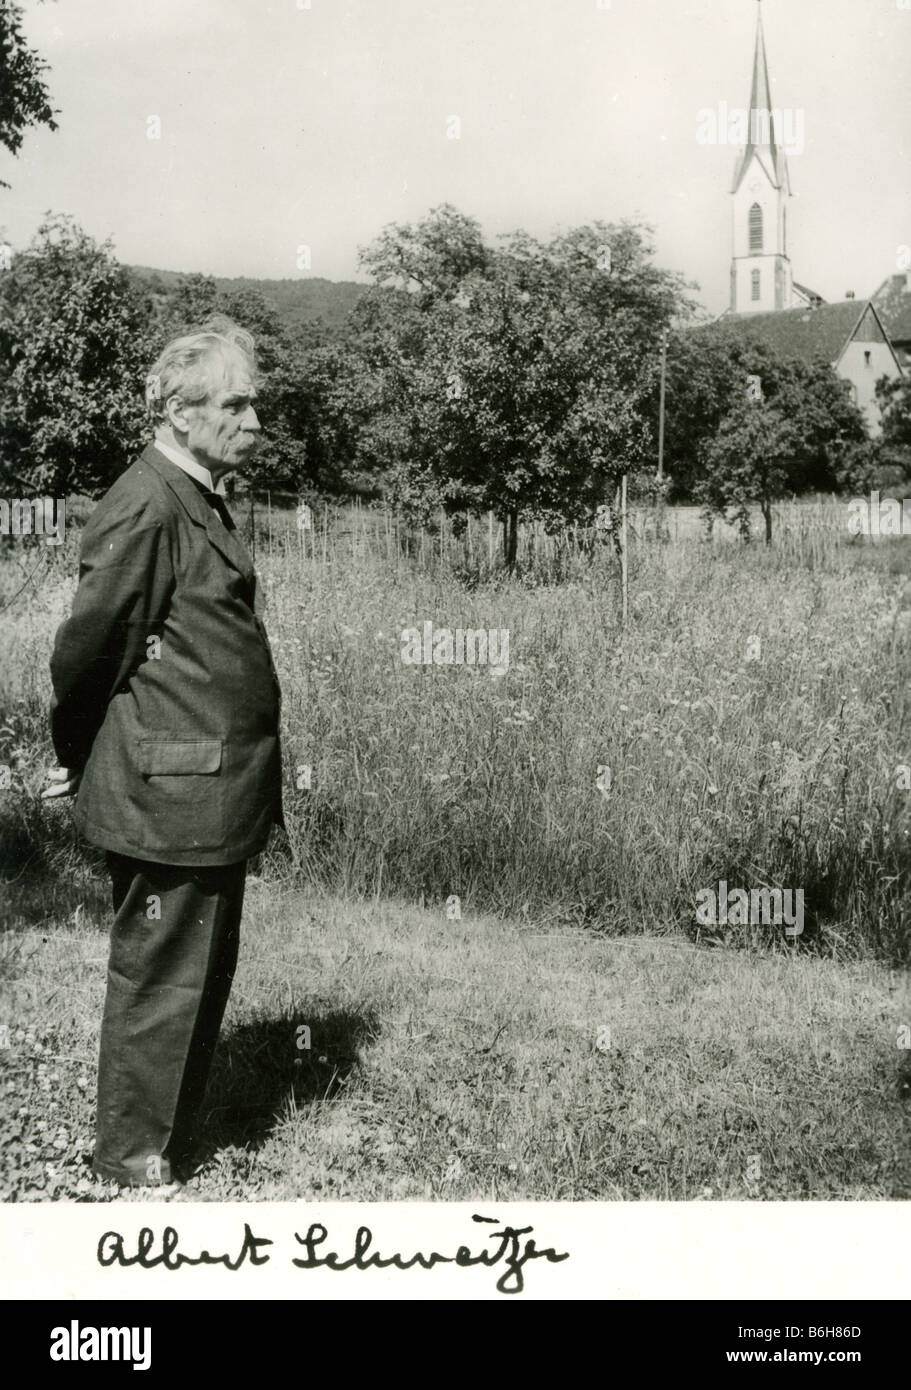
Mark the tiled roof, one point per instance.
(893, 304)
(804, 333)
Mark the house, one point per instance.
(850, 336)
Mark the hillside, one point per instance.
(298, 302)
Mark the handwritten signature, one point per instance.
(512, 1252)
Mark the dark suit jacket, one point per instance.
(178, 741)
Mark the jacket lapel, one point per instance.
(198, 509)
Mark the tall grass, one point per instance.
(437, 782)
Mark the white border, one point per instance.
(663, 1250)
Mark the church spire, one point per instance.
(761, 135)
(761, 278)
(760, 93)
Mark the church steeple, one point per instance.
(761, 94)
(762, 137)
(761, 276)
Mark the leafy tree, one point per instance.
(24, 97)
(884, 462)
(429, 259)
(747, 464)
(706, 375)
(516, 385)
(329, 405)
(826, 423)
(73, 359)
(860, 467)
(894, 400)
(363, 419)
(183, 307)
(608, 269)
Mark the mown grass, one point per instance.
(437, 1040)
(469, 1059)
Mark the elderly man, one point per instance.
(165, 720)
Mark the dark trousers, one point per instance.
(173, 953)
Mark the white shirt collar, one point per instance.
(195, 470)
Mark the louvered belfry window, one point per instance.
(755, 228)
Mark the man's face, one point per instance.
(223, 431)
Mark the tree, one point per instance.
(325, 404)
(74, 354)
(706, 374)
(704, 378)
(894, 400)
(24, 97)
(746, 464)
(511, 405)
(429, 259)
(608, 269)
(183, 307)
(515, 385)
(827, 425)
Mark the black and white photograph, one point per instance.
(455, 628)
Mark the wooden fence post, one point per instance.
(624, 543)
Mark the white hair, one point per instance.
(185, 366)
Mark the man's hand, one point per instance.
(64, 781)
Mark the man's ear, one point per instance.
(176, 411)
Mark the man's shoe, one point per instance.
(160, 1189)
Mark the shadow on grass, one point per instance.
(42, 898)
(46, 871)
(259, 1068)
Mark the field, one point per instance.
(493, 939)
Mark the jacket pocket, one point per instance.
(177, 757)
(182, 801)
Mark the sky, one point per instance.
(283, 126)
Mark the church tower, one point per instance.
(761, 277)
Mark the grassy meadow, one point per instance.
(493, 943)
